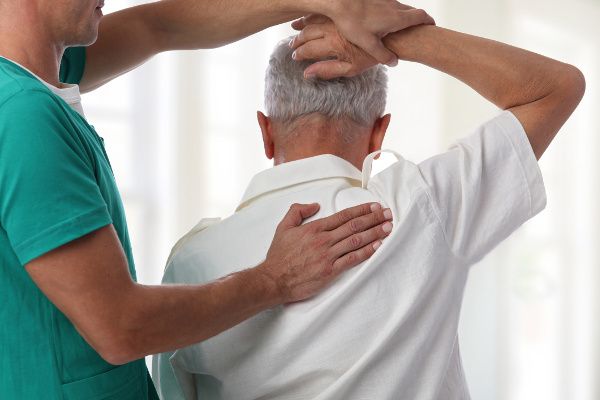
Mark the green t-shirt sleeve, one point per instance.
(48, 192)
(72, 65)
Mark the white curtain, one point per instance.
(183, 140)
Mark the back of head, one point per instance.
(289, 97)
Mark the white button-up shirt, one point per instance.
(386, 329)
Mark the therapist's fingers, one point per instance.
(361, 224)
(358, 247)
(296, 214)
(342, 217)
(354, 258)
(311, 32)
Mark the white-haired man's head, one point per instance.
(309, 117)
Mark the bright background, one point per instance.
(183, 140)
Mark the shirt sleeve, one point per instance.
(48, 192)
(72, 65)
(485, 187)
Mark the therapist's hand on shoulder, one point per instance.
(303, 259)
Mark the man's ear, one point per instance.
(266, 128)
(378, 133)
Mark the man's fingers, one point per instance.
(360, 240)
(340, 218)
(310, 33)
(296, 214)
(359, 225)
(354, 258)
(326, 70)
(314, 50)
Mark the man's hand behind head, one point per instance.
(365, 22)
(319, 39)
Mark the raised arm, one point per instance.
(541, 92)
(128, 38)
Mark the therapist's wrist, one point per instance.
(304, 7)
(264, 289)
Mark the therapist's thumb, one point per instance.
(296, 214)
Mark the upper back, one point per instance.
(334, 342)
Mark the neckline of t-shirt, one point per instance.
(69, 93)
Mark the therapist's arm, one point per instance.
(89, 281)
(541, 92)
(129, 37)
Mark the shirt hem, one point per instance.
(529, 164)
(61, 234)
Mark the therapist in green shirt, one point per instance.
(74, 324)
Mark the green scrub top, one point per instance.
(56, 185)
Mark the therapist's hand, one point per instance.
(304, 259)
(365, 22)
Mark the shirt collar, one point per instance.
(296, 172)
(68, 92)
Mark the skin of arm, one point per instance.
(130, 37)
(541, 92)
(89, 281)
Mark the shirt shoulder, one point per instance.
(400, 186)
(186, 248)
(49, 188)
(15, 80)
(32, 112)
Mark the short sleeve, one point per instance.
(72, 65)
(48, 192)
(485, 186)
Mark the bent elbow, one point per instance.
(574, 83)
(112, 343)
(580, 82)
(115, 352)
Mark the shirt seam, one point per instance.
(43, 90)
(23, 245)
(23, 90)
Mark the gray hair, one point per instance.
(289, 96)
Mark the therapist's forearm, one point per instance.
(157, 319)
(193, 24)
(129, 37)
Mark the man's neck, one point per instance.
(315, 137)
(25, 42)
(300, 152)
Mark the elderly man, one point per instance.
(387, 330)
